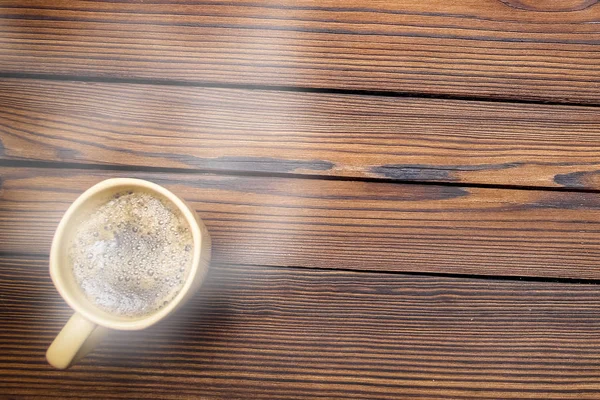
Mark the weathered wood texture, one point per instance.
(286, 333)
(290, 132)
(340, 224)
(546, 50)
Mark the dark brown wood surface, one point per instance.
(403, 196)
(546, 50)
(288, 333)
(343, 225)
(345, 135)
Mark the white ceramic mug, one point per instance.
(89, 324)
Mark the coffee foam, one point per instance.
(131, 256)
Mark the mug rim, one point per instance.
(58, 242)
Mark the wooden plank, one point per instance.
(290, 132)
(501, 49)
(340, 224)
(286, 333)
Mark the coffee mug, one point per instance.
(89, 324)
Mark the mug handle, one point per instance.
(77, 338)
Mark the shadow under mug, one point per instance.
(89, 324)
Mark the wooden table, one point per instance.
(403, 196)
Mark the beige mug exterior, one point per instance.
(90, 324)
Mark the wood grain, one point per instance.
(545, 50)
(286, 333)
(289, 132)
(340, 224)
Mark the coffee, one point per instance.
(132, 254)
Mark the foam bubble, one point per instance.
(132, 233)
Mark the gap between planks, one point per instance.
(225, 172)
(282, 88)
